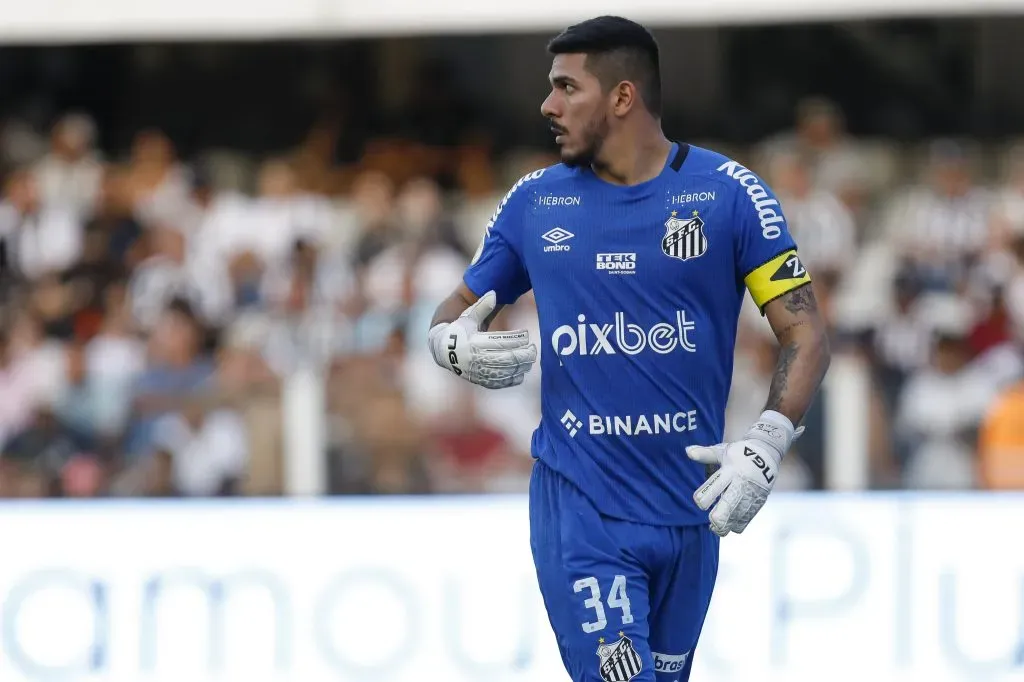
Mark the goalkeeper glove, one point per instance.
(747, 473)
(488, 359)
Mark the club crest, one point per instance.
(684, 237)
(620, 661)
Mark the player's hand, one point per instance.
(488, 359)
(747, 473)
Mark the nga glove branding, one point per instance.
(760, 462)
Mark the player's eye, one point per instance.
(569, 88)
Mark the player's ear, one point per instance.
(624, 97)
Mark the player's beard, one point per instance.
(592, 139)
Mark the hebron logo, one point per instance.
(571, 423)
(763, 204)
(617, 263)
(623, 337)
(556, 236)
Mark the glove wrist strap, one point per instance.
(774, 429)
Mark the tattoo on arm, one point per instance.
(803, 356)
(801, 305)
(801, 300)
(780, 380)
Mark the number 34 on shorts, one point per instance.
(626, 601)
(620, 661)
(617, 599)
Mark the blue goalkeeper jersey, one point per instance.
(638, 292)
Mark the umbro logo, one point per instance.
(556, 236)
(571, 423)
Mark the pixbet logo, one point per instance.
(590, 338)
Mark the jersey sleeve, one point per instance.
(766, 254)
(498, 262)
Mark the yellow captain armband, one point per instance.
(778, 276)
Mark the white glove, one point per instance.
(749, 468)
(488, 359)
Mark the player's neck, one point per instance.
(632, 159)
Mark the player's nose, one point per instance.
(548, 107)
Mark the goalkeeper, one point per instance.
(639, 251)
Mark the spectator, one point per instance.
(114, 359)
(372, 199)
(940, 226)
(834, 160)
(821, 225)
(160, 276)
(158, 183)
(281, 215)
(177, 368)
(305, 302)
(902, 340)
(71, 174)
(1008, 211)
(208, 451)
(1001, 443)
(942, 405)
(47, 447)
(37, 239)
(246, 383)
(471, 456)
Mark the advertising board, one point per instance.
(835, 587)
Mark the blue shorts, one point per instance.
(627, 601)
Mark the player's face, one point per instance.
(577, 109)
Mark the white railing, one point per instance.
(847, 425)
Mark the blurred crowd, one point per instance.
(153, 310)
(917, 252)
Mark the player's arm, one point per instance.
(452, 307)
(749, 467)
(804, 354)
(767, 261)
(459, 338)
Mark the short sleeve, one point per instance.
(766, 254)
(498, 263)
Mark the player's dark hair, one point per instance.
(617, 50)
